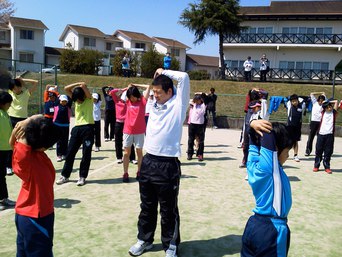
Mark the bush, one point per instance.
(150, 61)
(199, 75)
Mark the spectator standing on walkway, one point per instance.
(125, 64)
(160, 170)
(317, 98)
(81, 134)
(167, 61)
(264, 67)
(211, 106)
(248, 66)
(109, 118)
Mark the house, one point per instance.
(52, 55)
(23, 40)
(210, 64)
(174, 47)
(301, 39)
(134, 41)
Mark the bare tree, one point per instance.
(6, 10)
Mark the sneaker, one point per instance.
(106, 139)
(9, 171)
(59, 158)
(139, 247)
(200, 158)
(246, 178)
(240, 145)
(125, 178)
(189, 157)
(80, 182)
(315, 170)
(215, 127)
(296, 158)
(119, 161)
(242, 165)
(97, 149)
(328, 171)
(307, 154)
(62, 180)
(134, 161)
(7, 202)
(171, 251)
(137, 176)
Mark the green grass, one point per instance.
(231, 94)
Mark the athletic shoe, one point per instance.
(80, 182)
(189, 157)
(328, 171)
(242, 165)
(106, 139)
(315, 170)
(171, 251)
(125, 178)
(97, 149)
(296, 158)
(9, 171)
(240, 145)
(59, 158)
(134, 161)
(307, 154)
(246, 178)
(62, 180)
(139, 247)
(215, 127)
(119, 161)
(200, 158)
(7, 202)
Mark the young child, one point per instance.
(61, 119)
(325, 136)
(317, 98)
(81, 134)
(109, 118)
(34, 209)
(134, 126)
(5, 148)
(266, 232)
(50, 101)
(295, 109)
(97, 120)
(196, 127)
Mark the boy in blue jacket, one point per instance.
(266, 232)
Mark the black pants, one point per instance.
(195, 130)
(263, 74)
(248, 75)
(97, 133)
(109, 124)
(118, 142)
(3, 185)
(159, 183)
(324, 145)
(213, 114)
(314, 127)
(80, 135)
(62, 143)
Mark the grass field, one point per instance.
(99, 219)
(231, 94)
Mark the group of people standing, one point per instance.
(264, 68)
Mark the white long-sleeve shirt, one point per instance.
(165, 124)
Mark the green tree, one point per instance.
(213, 17)
(150, 61)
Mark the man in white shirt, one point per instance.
(317, 99)
(248, 65)
(160, 169)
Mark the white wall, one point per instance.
(72, 38)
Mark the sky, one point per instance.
(157, 18)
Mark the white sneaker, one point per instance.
(106, 139)
(246, 178)
(139, 247)
(62, 180)
(134, 162)
(215, 127)
(9, 171)
(80, 182)
(171, 251)
(296, 158)
(119, 161)
(97, 149)
(59, 158)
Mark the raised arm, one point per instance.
(68, 89)
(34, 83)
(146, 91)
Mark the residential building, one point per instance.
(52, 55)
(23, 40)
(134, 41)
(301, 39)
(210, 64)
(174, 47)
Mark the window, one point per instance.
(2, 35)
(25, 57)
(140, 45)
(89, 41)
(109, 46)
(175, 51)
(26, 34)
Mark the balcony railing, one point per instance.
(276, 74)
(280, 38)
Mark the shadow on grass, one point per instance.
(218, 158)
(294, 178)
(65, 202)
(217, 145)
(290, 167)
(110, 181)
(188, 176)
(94, 158)
(214, 152)
(193, 163)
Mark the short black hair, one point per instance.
(78, 94)
(5, 98)
(165, 82)
(14, 82)
(293, 97)
(133, 91)
(282, 135)
(41, 133)
(321, 97)
(198, 97)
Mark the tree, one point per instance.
(213, 17)
(150, 61)
(6, 10)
